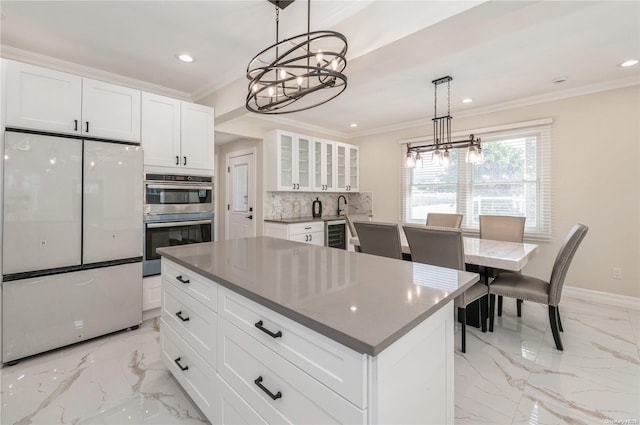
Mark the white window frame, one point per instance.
(541, 127)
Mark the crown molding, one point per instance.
(533, 100)
(13, 53)
(303, 126)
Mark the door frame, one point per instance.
(227, 194)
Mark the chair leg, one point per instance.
(559, 321)
(499, 305)
(492, 307)
(519, 306)
(464, 329)
(484, 306)
(553, 320)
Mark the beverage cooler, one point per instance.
(72, 241)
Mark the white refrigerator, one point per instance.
(72, 241)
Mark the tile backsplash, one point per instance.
(279, 205)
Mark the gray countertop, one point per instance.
(304, 219)
(362, 301)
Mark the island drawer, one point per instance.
(199, 287)
(190, 319)
(338, 367)
(309, 227)
(233, 409)
(193, 373)
(277, 390)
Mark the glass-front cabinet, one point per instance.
(347, 170)
(324, 154)
(289, 162)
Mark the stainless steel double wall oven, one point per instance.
(178, 211)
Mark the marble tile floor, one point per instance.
(511, 376)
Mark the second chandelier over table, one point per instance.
(298, 73)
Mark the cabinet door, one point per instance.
(42, 202)
(197, 135)
(341, 167)
(353, 169)
(329, 166)
(161, 130)
(43, 99)
(112, 226)
(285, 161)
(318, 161)
(304, 163)
(110, 111)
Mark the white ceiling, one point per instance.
(498, 52)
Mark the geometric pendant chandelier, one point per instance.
(298, 73)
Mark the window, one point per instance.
(514, 179)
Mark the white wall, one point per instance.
(596, 181)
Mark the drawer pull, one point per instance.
(182, 280)
(267, 331)
(182, 368)
(273, 396)
(184, 319)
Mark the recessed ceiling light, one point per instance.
(559, 80)
(353, 125)
(630, 62)
(467, 100)
(184, 57)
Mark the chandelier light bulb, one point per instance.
(254, 88)
(283, 74)
(410, 161)
(446, 161)
(271, 91)
(437, 156)
(300, 80)
(319, 56)
(334, 64)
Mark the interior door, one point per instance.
(241, 194)
(113, 187)
(42, 202)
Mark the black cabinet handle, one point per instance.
(267, 331)
(306, 238)
(182, 368)
(87, 130)
(182, 280)
(273, 396)
(184, 319)
(250, 217)
(185, 161)
(310, 238)
(75, 125)
(177, 160)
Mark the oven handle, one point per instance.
(178, 223)
(179, 186)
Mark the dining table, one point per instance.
(488, 255)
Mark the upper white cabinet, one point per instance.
(177, 134)
(347, 174)
(289, 159)
(44, 99)
(324, 166)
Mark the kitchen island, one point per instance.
(264, 330)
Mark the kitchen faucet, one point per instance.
(345, 203)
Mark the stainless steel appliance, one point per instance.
(335, 233)
(178, 211)
(72, 251)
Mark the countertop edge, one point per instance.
(329, 332)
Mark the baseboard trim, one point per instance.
(615, 300)
(151, 314)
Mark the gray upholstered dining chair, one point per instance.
(443, 247)
(517, 285)
(379, 239)
(444, 220)
(503, 228)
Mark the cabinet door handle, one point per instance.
(179, 278)
(182, 368)
(306, 238)
(184, 319)
(250, 217)
(185, 161)
(87, 123)
(273, 396)
(177, 160)
(310, 238)
(75, 125)
(260, 326)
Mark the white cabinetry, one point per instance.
(289, 162)
(347, 168)
(324, 166)
(310, 232)
(177, 134)
(44, 99)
